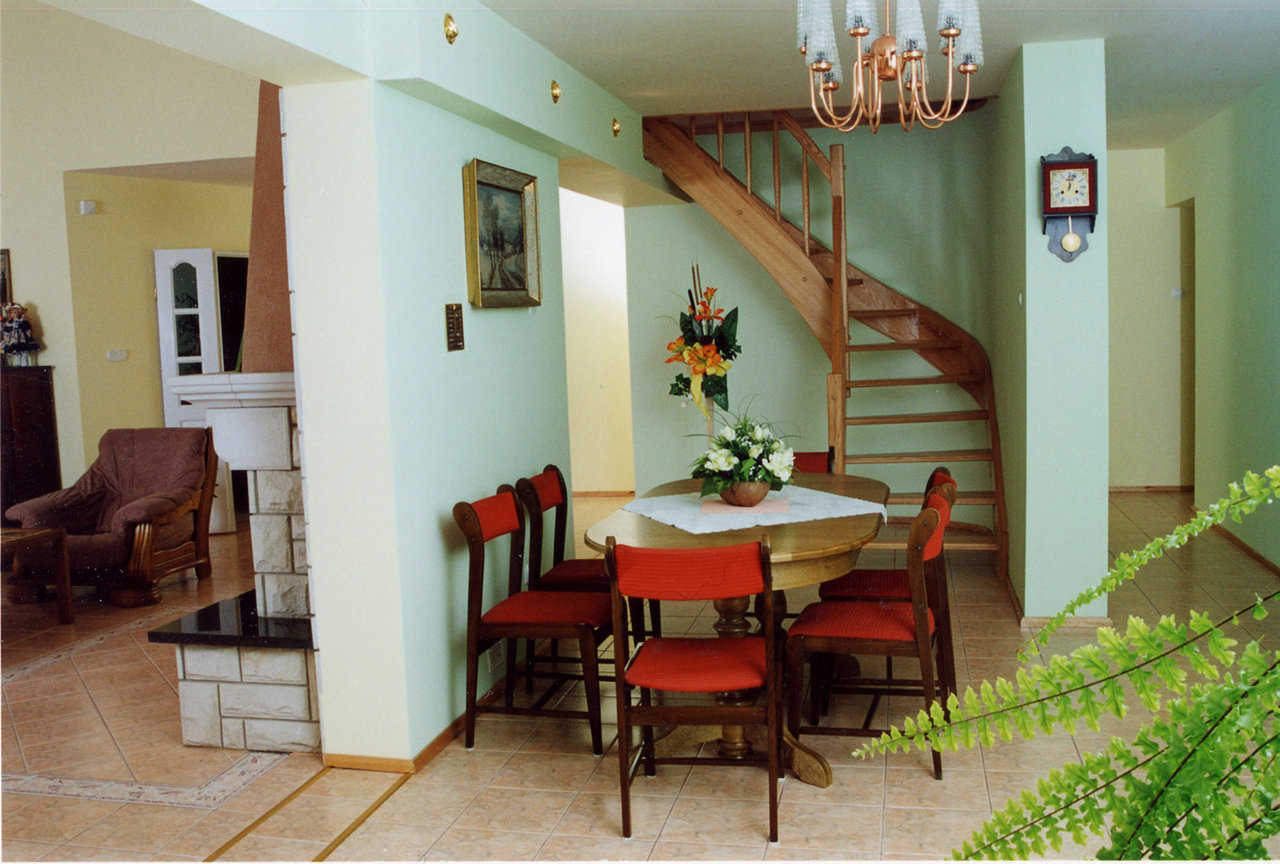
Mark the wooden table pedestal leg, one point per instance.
(733, 743)
(62, 576)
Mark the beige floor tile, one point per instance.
(600, 815)
(75, 852)
(110, 767)
(839, 749)
(140, 827)
(24, 850)
(424, 804)
(51, 706)
(666, 783)
(494, 733)
(801, 853)
(45, 730)
(928, 832)
(473, 768)
(546, 771)
(265, 792)
(850, 784)
(40, 686)
(1037, 754)
(1003, 785)
(572, 848)
(387, 842)
(497, 809)
(309, 817)
(707, 820)
(957, 790)
(825, 826)
(350, 783)
(11, 761)
(567, 736)
(47, 758)
(257, 847)
(748, 782)
(125, 656)
(208, 833)
(463, 844)
(667, 850)
(55, 820)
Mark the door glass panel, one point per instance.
(187, 328)
(190, 368)
(184, 287)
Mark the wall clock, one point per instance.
(1069, 200)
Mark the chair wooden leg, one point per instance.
(775, 741)
(820, 669)
(530, 652)
(591, 681)
(510, 682)
(646, 737)
(624, 754)
(795, 682)
(473, 668)
(927, 680)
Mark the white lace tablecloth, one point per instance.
(690, 512)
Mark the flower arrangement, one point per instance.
(707, 344)
(746, 452)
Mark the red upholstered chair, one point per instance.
(582, 616)
(708, 665)
(816, 462)
(886, 628)
(891, 583)
(140, 513)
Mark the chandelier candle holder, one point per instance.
(888, 61)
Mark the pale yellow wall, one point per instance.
(598, 369)
(80, 95)
(1148, 378)
(113, 282)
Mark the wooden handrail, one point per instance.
(777, 176)
(746, 145)
(806, 143)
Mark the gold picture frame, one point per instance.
(500, 208)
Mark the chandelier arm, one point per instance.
(908, 109)
(836, 119)
(944, 110)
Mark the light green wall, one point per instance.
(1008, 351)
(1050, 356)
(780, 375)
(1147, 311)
(1230, 166)
(461, 422)
(1066, 313)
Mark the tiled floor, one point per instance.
(530, 789)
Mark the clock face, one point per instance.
(1069, 187)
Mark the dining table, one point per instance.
(802, 553)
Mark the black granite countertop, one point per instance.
(235, 621)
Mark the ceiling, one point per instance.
(225, 172)
(1170, 63)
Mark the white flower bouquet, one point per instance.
(746, 452)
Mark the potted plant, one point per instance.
(744, 462)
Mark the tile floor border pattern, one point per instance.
(154, 619)
(207, 795)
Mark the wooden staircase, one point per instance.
(810, 273)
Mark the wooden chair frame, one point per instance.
(801, 647)
(731, 711)
(482, 636)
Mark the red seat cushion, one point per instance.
(587, 572)
(546, 607)
(867, 584)
(883, 621)
(699, 665)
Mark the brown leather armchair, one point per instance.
(139, 513)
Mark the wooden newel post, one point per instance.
(839, 312)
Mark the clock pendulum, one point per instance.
(1071, 240)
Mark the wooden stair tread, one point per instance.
(942, 456)
(935, 417)
(884, 313)
(981, 496)
(908, 345)
(893, 537)
(967, 378)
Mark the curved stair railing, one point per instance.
(808, 271)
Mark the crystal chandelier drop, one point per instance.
(890, 61)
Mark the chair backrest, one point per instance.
(816, 461)
(539, 494)
(924, 545)
(485, 520)
(937, 477)
(135, 463)
(710, 573)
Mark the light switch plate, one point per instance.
(117, 355)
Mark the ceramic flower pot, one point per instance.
(745, 494)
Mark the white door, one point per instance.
(191, 344)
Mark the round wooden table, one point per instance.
(803, 553)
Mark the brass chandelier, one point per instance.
(889, 62)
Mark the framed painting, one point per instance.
(501, 212)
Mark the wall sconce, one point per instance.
(450, 28)
(555, 91)
(617, 127)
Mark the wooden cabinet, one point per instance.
(28, 435)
